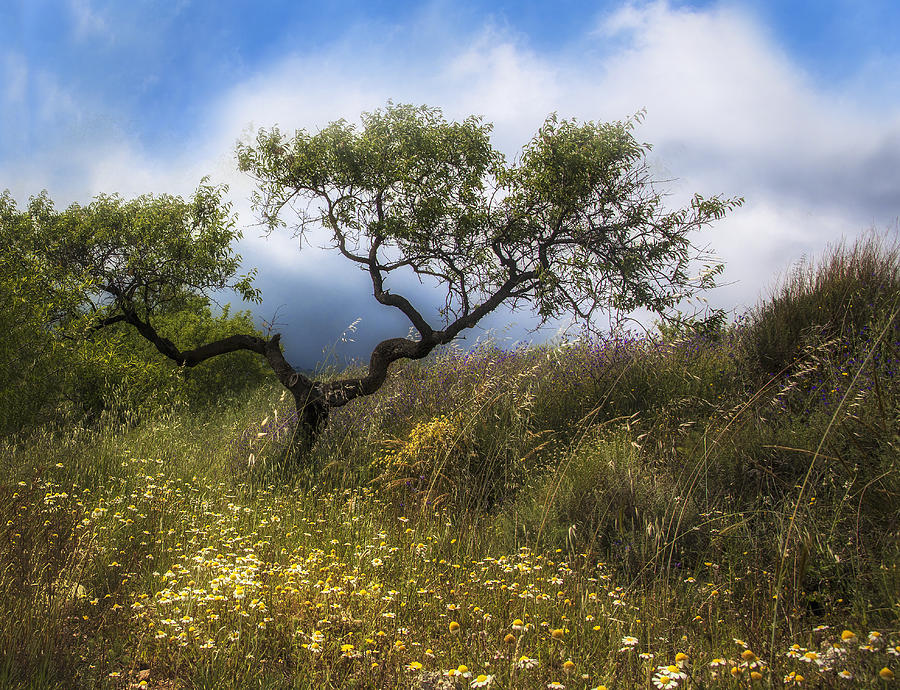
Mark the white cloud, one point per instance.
(506, 83)
(89, 23)
(728, 111)
(762, 241)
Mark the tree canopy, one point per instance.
(574, 226)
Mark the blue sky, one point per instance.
(794, 105)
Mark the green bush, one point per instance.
(837, 298)
(39, 320)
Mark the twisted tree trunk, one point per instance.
(314, 399)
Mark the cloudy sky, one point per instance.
(792, 104)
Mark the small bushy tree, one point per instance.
(68, 342)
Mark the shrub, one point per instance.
(838, 297)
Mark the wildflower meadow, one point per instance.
(655, 510)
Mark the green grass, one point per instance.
(586, 514)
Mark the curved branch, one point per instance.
(191, 358)
(399, 301)
(289, 377)
(109, 321)
(339, 393)
(505, 291)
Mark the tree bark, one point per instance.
(312, 419)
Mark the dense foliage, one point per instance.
(574, 226)
(66, 350)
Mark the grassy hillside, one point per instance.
(630, 513)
